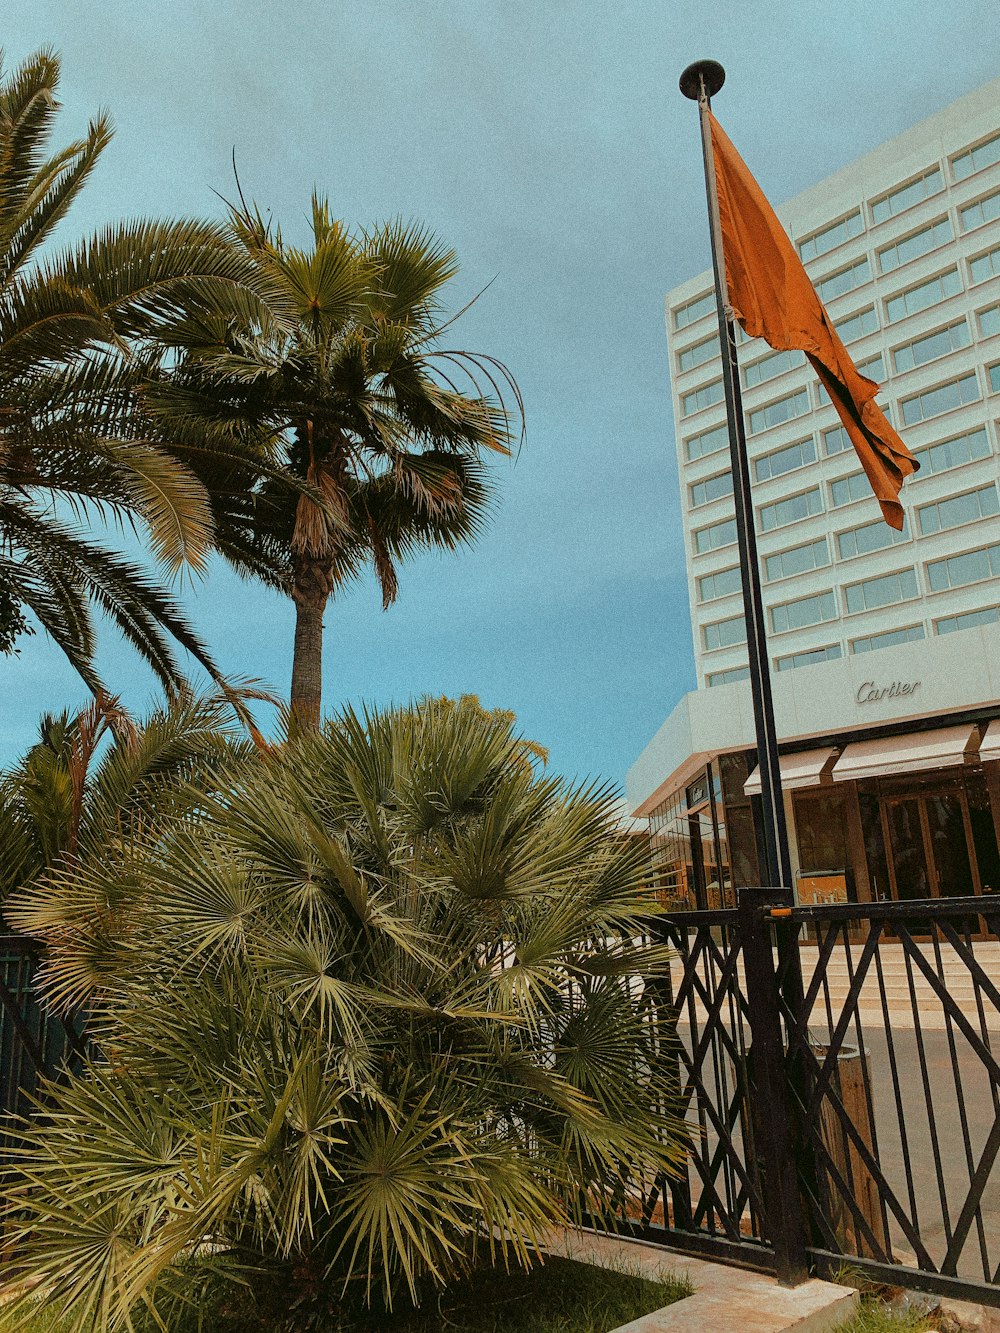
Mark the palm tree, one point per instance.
(345, 385)
(77, 338)
(377, 1012)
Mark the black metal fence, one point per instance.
(839, 1067)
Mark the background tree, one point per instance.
(356, 396)
(77, 338)
(379, 1013)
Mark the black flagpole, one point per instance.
(699, 82)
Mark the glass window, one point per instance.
(995, 379)
(784, 409)
(856, 326)
(946, 397)
(715, 536)
(905, 196)
(989, 321)
(872, 368)
(832, 236)
(988, 615)
(814, 610)
(955, 571)
(983, 210)
(952, 453)
(808, 658)
(985, 266)
(919, 298)
(931, 346)
(790, 510)
(708, 442)
(959, 509)
(835, 441)
(797, 560)
(845, 490)
(871, 643)
(884, 591)
(695, 309)
(868, 538)
(846, 280)
(912, 247)
(698, 354)
(712, 488)
(785, 460)
(770, 367)
(720, 584)
(983, 155)
(698, 399)
(725, 633)
(727, 677)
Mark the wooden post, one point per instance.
(850, 1080)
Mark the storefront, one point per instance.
(903, 804)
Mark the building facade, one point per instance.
(880, 640)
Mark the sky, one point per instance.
(547, 142)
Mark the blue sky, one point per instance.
(545, 140)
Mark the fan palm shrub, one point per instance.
(346, 384)
(377, 1013)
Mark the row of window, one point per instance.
(987, 615)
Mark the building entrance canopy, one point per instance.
(945, 747)
(805, 769)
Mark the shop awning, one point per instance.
(914, 753)
(990, 745)
(805, 769)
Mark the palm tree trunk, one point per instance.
(310, 593)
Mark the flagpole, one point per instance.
(699, 82)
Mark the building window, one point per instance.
(770, 367)
(835, 441)
(995, 379)
(785, 460)
(712, 488)
(790, 510)
(959, 509)
(809, 658)
(697, 355)
(820, 242)
(708, 442)
(873, 369)
(845, 490)
(722, 584)
(956, 571)
(856, 326)
(988, 615)
(985, 266)
(892, 638)
(868, 538)
(783, 409)
(945, 398)
(724, 633)
(698, 399)
(728, 677)
(989, 321)
(931, 346)
(715, 536)
(928, 293)
(695, 309)
(953, 453)
(983, 155)
(912, 247)
(884, 591)
(797, 560)
(844, 281)
(804, 611)
(905, 196)
(983, 210)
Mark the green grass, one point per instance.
(562, 1296)
(875, 1316)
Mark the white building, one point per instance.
(876, 639)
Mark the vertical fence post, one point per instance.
(771, 1110)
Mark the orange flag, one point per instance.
(772, 297)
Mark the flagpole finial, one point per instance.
(708, 71)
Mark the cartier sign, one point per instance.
(872, 693)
